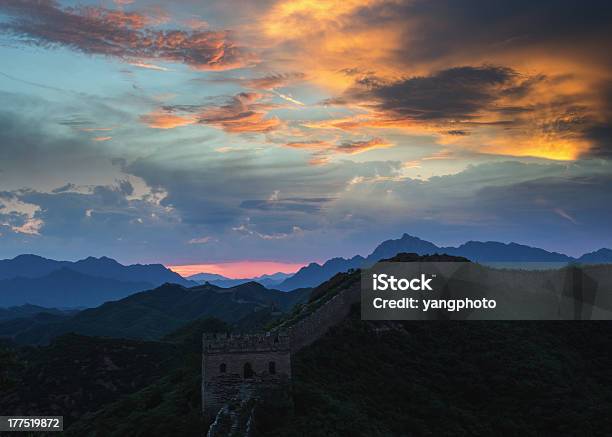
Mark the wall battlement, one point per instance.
(228, 343)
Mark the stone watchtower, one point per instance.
(233, 364)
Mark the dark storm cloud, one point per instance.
(124, 35)
(600, 133)
(456, 93)
(445, 27)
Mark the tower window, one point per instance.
(223, 368)
(272, 368)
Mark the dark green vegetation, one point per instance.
(447, 378)
(150, 315)
(452, 378)
(110, 387)
(171, 405)
(77, 374)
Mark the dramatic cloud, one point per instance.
(514, 78)
(243, 113)
(344, 123)
(124, 35)
(461, 93)
(490, 108)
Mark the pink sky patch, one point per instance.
(238, 269)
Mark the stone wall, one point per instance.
(316, 324)
(228, 360)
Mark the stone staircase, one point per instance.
(236, 417)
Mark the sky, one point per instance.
(257, 136)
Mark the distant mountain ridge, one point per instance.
(154, 313)
(29, 311)
(31, 279)
(34, 266)
(269, 281)
(484, 252)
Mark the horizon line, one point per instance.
(237, 269)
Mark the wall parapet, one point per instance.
(228, 343)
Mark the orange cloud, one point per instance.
(347, 147)
(166, 120)
(324, 38)
(243, 113)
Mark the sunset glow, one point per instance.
(238, 269)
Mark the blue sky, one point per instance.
(291, 131)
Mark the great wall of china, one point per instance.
(235, 366)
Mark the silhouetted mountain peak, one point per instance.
(248, 290)
(101, 261)
(29, 257)
(170, 286)
(494, 251)
(603, 255)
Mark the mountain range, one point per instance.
(31, 279)
(482, 252)
(269, 281)
(154, 313)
